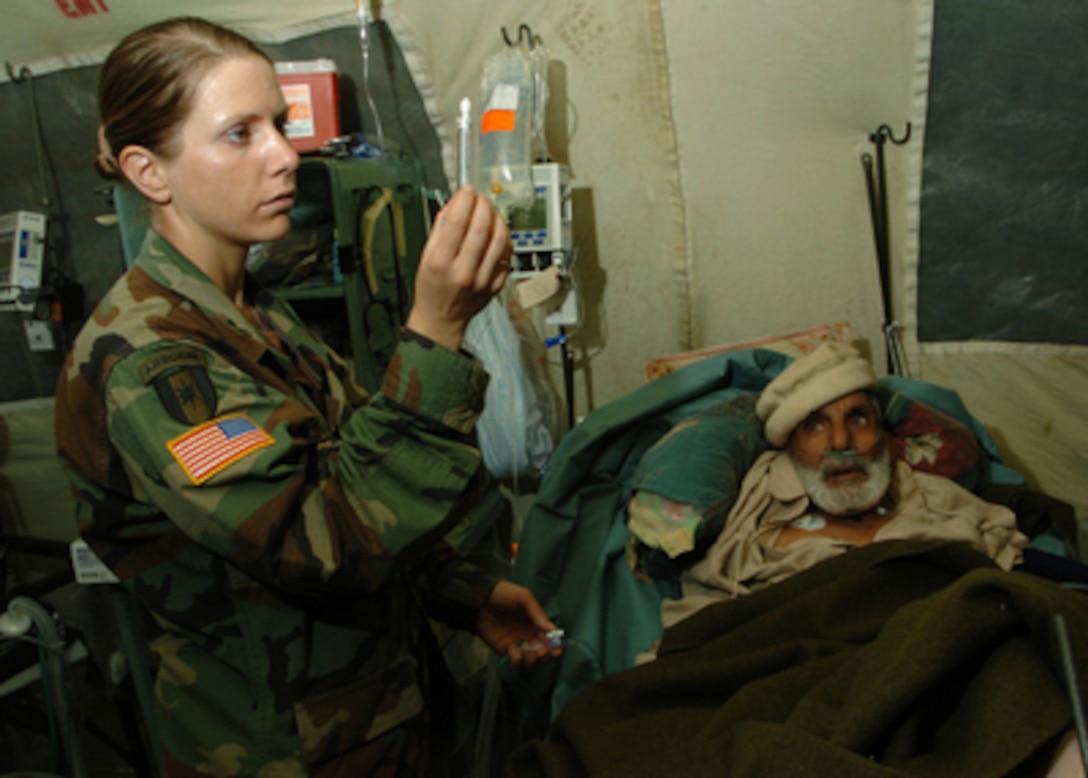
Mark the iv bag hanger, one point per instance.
(525, 37)
(877, 187)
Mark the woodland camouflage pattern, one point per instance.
(290, 583)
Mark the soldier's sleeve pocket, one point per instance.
(336, 723)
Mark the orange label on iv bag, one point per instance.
(498, 120)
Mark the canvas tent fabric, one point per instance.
(771, 107)
(45, 36)
(715, 155)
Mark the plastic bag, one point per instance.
(519, 425)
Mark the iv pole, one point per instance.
(876, 184)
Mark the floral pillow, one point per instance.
(932, 441)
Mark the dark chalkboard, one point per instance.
(1004, 214)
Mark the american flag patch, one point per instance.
(205, 450)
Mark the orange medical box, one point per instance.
(312, 91)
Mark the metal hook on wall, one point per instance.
(884, 132)
(525, 36)
(17, 77)
(878, 189)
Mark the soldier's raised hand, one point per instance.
(464, 264)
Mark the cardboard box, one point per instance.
(312, 91)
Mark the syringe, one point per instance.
(464, 147)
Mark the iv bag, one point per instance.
(503, 158)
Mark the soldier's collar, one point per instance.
(168, 267)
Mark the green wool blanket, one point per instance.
(901, 658)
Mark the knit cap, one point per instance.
(808, 383)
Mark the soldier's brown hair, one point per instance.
(147, 84)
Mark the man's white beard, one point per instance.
(851, 498)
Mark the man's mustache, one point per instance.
(844, 464)
(849, 460)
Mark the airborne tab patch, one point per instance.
(171, 359)
(208, 449)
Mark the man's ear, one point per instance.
(143, 169)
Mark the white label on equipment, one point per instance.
(300, 111)
(89, 569)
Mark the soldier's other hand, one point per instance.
(514, 625)
(464, 264)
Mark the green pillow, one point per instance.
(686, 483)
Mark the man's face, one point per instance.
(841, 454)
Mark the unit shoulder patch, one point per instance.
(181, 380)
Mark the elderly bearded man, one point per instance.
(829, 484)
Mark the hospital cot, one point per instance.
(577, 554)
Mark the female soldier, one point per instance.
(284, 530)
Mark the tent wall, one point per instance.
(735, 205)
(719, 145)
(610, 120)
(774, 103)
(64, 183)
(716, 152)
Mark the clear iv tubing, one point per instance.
(364, 46)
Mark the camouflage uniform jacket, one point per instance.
(284, 530)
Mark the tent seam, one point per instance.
(912, 242)
(681, 259)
